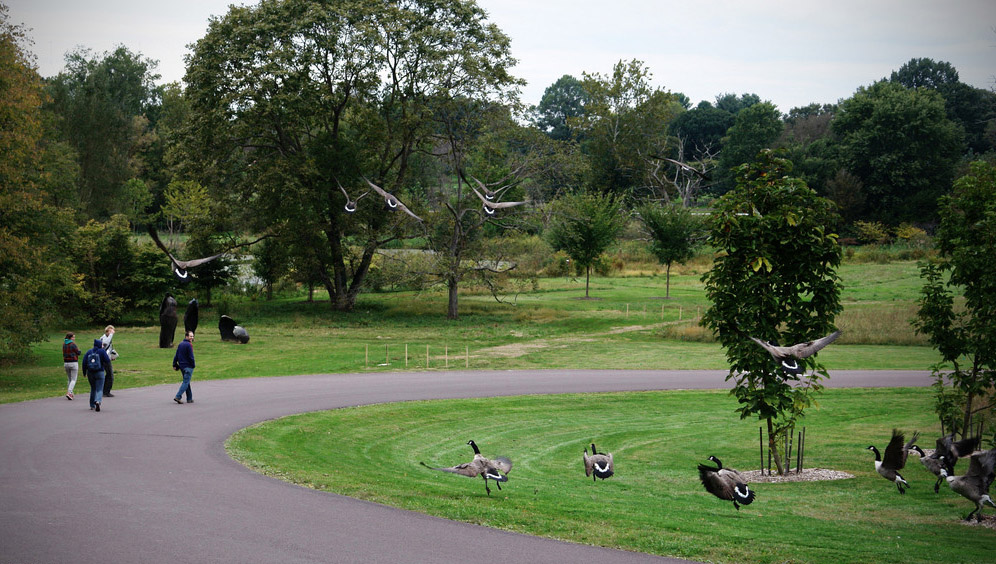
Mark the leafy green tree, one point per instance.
(901, 145)
(584, 225)
(774, 278)
(562, 101)
(672, 230)
(964, 332)
(755, 127)
(701, 129)
(102, 104)
(36, 275)
(735, 104)
(625, 122)
(270, 263)
(287, 98)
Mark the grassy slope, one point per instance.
(655, 503)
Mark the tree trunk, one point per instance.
(452, 311)
(965, 431)
(587, 278)
(773, 448)
(667, 283)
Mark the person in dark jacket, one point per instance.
(183, 361)
(94, 372)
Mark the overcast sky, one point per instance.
(792, 53)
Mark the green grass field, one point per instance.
(654, 503)
(626, 326)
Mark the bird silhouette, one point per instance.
(788, 357)
(181, 267)
(490, 207)
(392, 202)
(350, 206)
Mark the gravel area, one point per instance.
(807, 475)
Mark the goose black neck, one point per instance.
(474, 446)
(593, 451)
(719, 463)
(877, 455)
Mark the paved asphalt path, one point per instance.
(148, 481)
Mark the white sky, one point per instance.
(792, 53)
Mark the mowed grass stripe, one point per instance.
(655, 502)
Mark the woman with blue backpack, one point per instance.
(94, 363)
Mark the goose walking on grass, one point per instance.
(946, 455)
(888, 466)
(391, 202)
(788, 357)
(496, 469)
(974, 484)
(598, 465)
(726, 483)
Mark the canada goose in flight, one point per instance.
(686, 168)
(392, 202)
(974, 484)
(489, 194)
(946, 455)
(350, 206)
(598, 465)
(788, 357)
(895, 459)
(726, 483)
(490, 207)
(496, 469)
(181, 267)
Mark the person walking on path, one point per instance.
(70, 360)
(183, 361)
(105, 341)
(94, 362)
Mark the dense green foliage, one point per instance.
(774, 278)
(583, 226)
(964, 334)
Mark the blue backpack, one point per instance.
(93, 363)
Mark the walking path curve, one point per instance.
(149, 481)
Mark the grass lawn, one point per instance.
(627, 325)
(654, 503)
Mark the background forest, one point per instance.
(287, 108)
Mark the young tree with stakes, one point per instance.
(774, 277)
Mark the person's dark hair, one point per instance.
(70, 335)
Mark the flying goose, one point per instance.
(725, 483)
(687, 168)
(496, 469)
(350, 206)
(392, 202)
(180, 267)
(895, 459)
(598, 464)
(946, 455)
(490, 207)
(974, 485)
(788, 357)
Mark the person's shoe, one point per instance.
(69, 395)
(97, 406)
(91, 408)
(108, 395)
(178, 400)
(190, 401)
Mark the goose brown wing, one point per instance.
(715, 484)
(503, 464)
(469, 469)
(155, 239)
(804, 350)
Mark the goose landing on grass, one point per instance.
(496, 469)
(598, 465)
(888, 466)
(726, 483)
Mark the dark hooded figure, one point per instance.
(190, 316)
(167, 321)
(226, 326)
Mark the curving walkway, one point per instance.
(149, 481)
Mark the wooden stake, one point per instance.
(427, 357)
(446, 355)
(760, 443)
(387, 354)
(468, 356)
(406, 355)
(366, 357)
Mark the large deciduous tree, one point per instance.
(562, 101)
(584, 225)
(103, 105)
(964, 332)
(290, 96)
(34, 270)
(901, 145)
(755, 127)
(774, 278)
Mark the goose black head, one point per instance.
(718, 462)
(875, 450)
(918, 451)
(473, 445)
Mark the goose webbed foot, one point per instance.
(937, 486)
